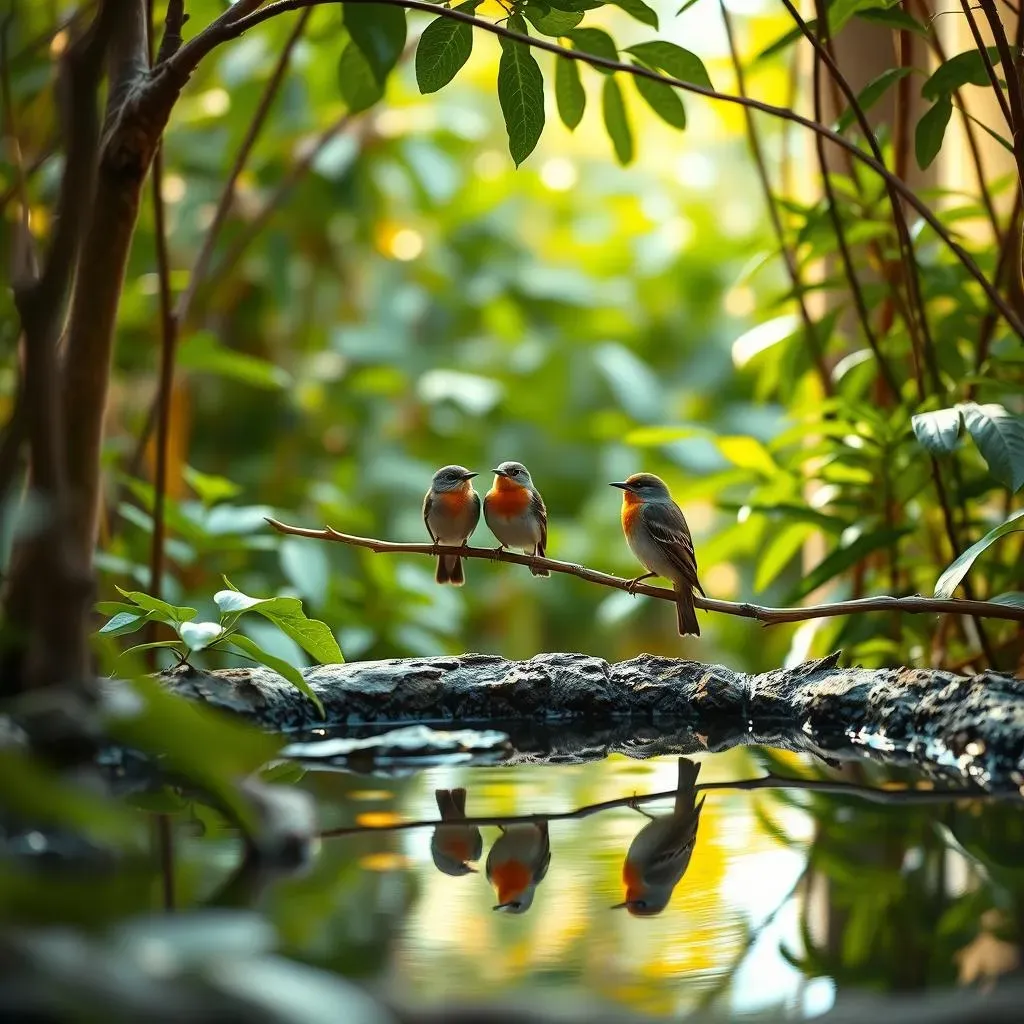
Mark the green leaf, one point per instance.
(965, 68)
(616, 122)
(160, 610)
(871, 94)
(443, 49)
(938, 431)
(203, 353)
(685, 7)
(356, 81)
(748, 453)
(198, 635)
(124, 622)
(838, 561)
(1012, 598)
(841, 11)
(210, 487)
(662, 99)
(895, 18)
(379, 31)
(1000, 439)
(958, 569)
(639, 10)
(597, 42)
(785, 40)
(569, 94)
(520, 93)
(673, 60)
(279, 665)
(553, 22)
(155, 645)
(780, 550)
(312, 635)
(930, 131)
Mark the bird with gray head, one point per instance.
(660, 854)
(657, 533)
(515, 512)
(453, 843)
(451, 511)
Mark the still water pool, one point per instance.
(790, 897)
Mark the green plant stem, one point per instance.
(743, 610)
(814, 340)
(172, 76)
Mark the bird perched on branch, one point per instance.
(515, 512)
(453, 844)
(660, 854)
(517, 864)
(451, 511)
(657, 534)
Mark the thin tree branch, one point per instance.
(849, 268)
(173, 75)
(814, 340)
(1010, 244)
(174, 21)
(227, 196)
(990, 71)
(744, 610)
(902, 797)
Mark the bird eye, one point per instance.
(513, 472)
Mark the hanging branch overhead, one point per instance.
(743, 610)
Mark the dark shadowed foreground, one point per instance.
(574, 707)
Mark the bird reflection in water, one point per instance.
(517, 864)
(453, 844)
(660, 854)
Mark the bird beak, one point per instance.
(469, 476)
(499, 472)
(619, 906)
(621, 484)
(501, 906)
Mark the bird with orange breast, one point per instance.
(517, 864)
(451, 511)
(515, 513)
(660, 854)
(657, 534)
(454, 844)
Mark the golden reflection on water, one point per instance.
(570, 945)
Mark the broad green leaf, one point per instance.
(931, 130)
(359, 87)
(1004, 142)
(784, 41)
(124, 622)
(616, 122)
(203, 353)
(838, 561)
(312, 635)
(379, 31)
(443, 49)
(279, 665)
(895, 18)
(938, 431)
(781, 548)
(210, 487)
(198, 635)
(207, 747)
(958, 569)
(569, 94)
(553, 22)
(841, 11)
(597, 42)
(639, 10)
(1012, 598)
(645, 437)
(965, 68)
(1000, 439)
(748, 453)
(662, 99)
(161, 610)
(113, 607)
(871, 94)
(520, 93)
(673, 60)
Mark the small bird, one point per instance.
(657, 534)
(452, 843)
(451, 510)
(517, 864)
(660, 854)
(515, 512)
